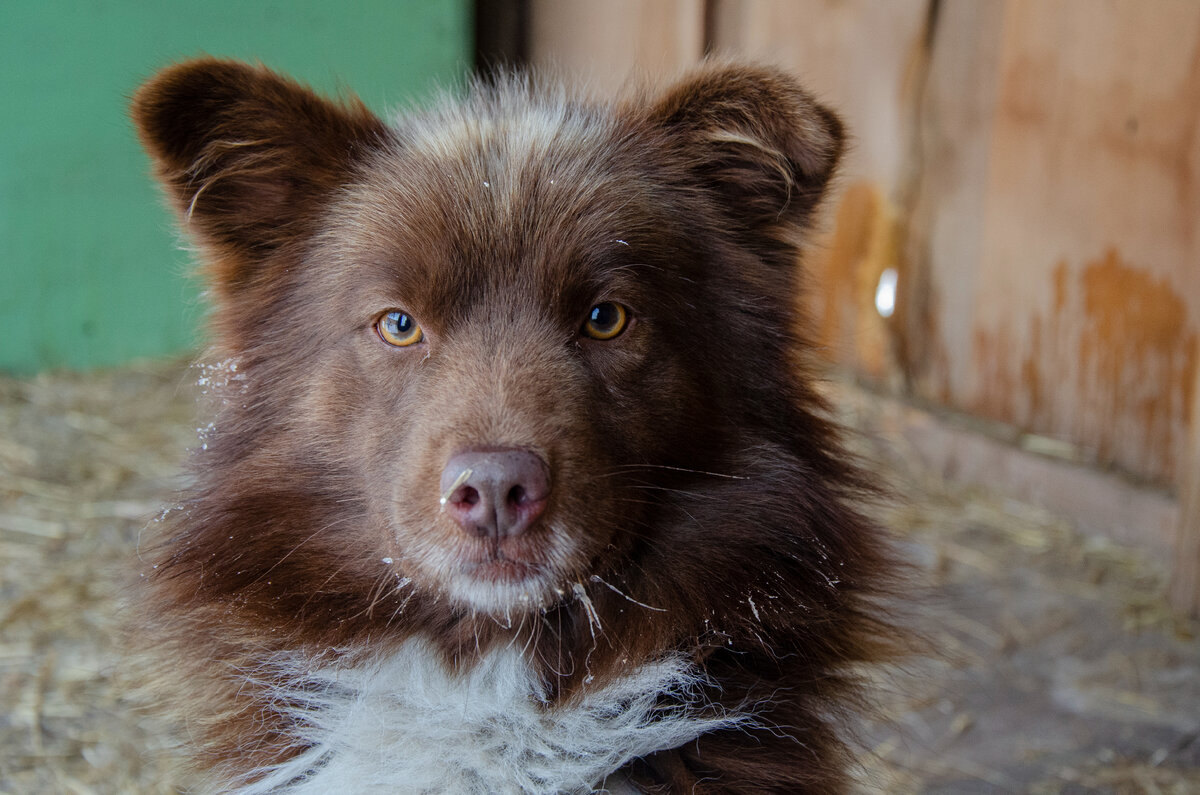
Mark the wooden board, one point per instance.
(1063, 294)
(1185, 573)
(602, 44)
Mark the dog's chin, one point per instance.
(504, 588)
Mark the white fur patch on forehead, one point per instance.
(404, 723)
(505, 124)
(531, 130)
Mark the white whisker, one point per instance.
(619, 592)
(586, 601)
(635, 467)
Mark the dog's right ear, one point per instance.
(248, 157)
(758, 143)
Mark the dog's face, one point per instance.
(526, 267)
(488, 298)
(498, 331)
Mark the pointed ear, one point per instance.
(756, 140)
(247, 156)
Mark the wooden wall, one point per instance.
(603, 44)
(1081, 314)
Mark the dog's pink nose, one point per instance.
(497, 492)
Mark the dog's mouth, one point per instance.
(499, 567)
(501, 576)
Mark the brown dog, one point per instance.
(516, 483)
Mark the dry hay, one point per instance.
(85, 463)
(1054, 665)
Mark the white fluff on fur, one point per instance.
(405, 724)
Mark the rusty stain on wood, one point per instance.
(1122, 343)
(996, 397)
(1137, 355)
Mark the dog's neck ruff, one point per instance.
(405, 724)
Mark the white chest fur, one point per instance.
(404, 724)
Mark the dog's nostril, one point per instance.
(495, 492)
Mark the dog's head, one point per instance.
(481, 348)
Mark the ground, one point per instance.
(1049, 662)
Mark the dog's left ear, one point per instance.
(756, 140)
(248, 157)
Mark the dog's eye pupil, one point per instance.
(399, 323)
(399, 329)
(604, 316)
(606, 320)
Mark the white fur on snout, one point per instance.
(405, 724)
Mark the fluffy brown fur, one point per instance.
(700, 498)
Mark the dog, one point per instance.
(519, 479)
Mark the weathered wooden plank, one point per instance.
(944, 231)
(602, 44)
(1185, 574)
(1073, 309)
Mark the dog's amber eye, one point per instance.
(399, 329)
(606, 321)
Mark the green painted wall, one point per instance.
(91, 270)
